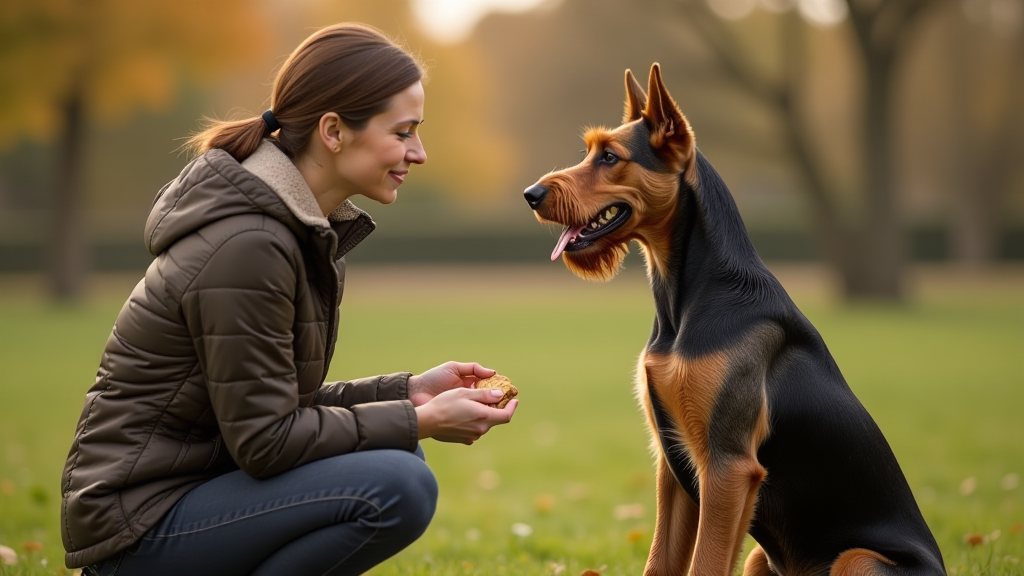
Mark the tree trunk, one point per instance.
(874, 269)
(67, 252)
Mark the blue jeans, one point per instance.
(336, 516)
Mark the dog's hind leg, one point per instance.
(757, 564)
(862, 562)
(675, 528)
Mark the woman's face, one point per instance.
(374, 161)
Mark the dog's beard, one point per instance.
(594, 265)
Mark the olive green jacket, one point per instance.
(217, 360)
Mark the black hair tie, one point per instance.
(272, 124)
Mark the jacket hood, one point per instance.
(216, 186)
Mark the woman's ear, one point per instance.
(331, 132)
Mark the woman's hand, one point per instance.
(423, 387)
(462, 415)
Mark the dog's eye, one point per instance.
(609, 158)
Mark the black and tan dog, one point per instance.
(754, 428)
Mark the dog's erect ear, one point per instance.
(636, 100)
(670, 132)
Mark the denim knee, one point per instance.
(412, 481)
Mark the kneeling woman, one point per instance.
(209, 443)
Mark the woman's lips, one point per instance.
(399, 176)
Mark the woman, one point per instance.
(209, 443)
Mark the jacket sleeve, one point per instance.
(364, 390)
(240, 311)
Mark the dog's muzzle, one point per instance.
(535, 195)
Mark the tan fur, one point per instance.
(687, 390)
(675, 526)
(861, 562)
(757, 564)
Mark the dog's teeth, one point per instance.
(613, 211)
(603, 221)
(609, 214)
(593, 225)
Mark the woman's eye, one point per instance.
(405, 135)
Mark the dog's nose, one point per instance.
(535, 195)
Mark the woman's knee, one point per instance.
(413, 484)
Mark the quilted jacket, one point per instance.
(218, 358)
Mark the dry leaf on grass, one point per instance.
(974, 539)
(31, 546)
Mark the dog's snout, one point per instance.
(535, 195)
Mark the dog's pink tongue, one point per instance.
(568, 235)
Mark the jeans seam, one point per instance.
(360, 547)
(262, 512)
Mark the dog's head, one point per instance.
(626, 188)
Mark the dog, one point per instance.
(754, 428)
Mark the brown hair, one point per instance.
(351, 69)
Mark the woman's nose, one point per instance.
(416, 154)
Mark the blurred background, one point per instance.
(874, 148)
(864, 135)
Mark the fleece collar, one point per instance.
(273, 167)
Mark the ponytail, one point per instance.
(240, 138)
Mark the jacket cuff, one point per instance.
(394, 386)
(387, 424)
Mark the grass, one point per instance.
(942, 376)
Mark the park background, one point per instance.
(874, 148)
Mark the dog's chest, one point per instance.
(679, 395)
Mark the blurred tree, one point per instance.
(869, 247)
(984, 60)
(66, 65)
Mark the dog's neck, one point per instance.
(711, 261)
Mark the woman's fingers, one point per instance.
(472, 369)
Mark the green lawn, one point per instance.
(943, 377)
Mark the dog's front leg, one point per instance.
(675, 527)
(728, 496)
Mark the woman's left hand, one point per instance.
(423, 387)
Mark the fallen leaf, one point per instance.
(974, 539)
(467, 566)
(6, 487)
(31, 546)
(590, 573)
(634, 536)
(1017, 528)
(8, 556)
(543, 503)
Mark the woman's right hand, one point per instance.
(462, 415)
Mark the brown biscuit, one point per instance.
(499, 382)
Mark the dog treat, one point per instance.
(499, 382)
